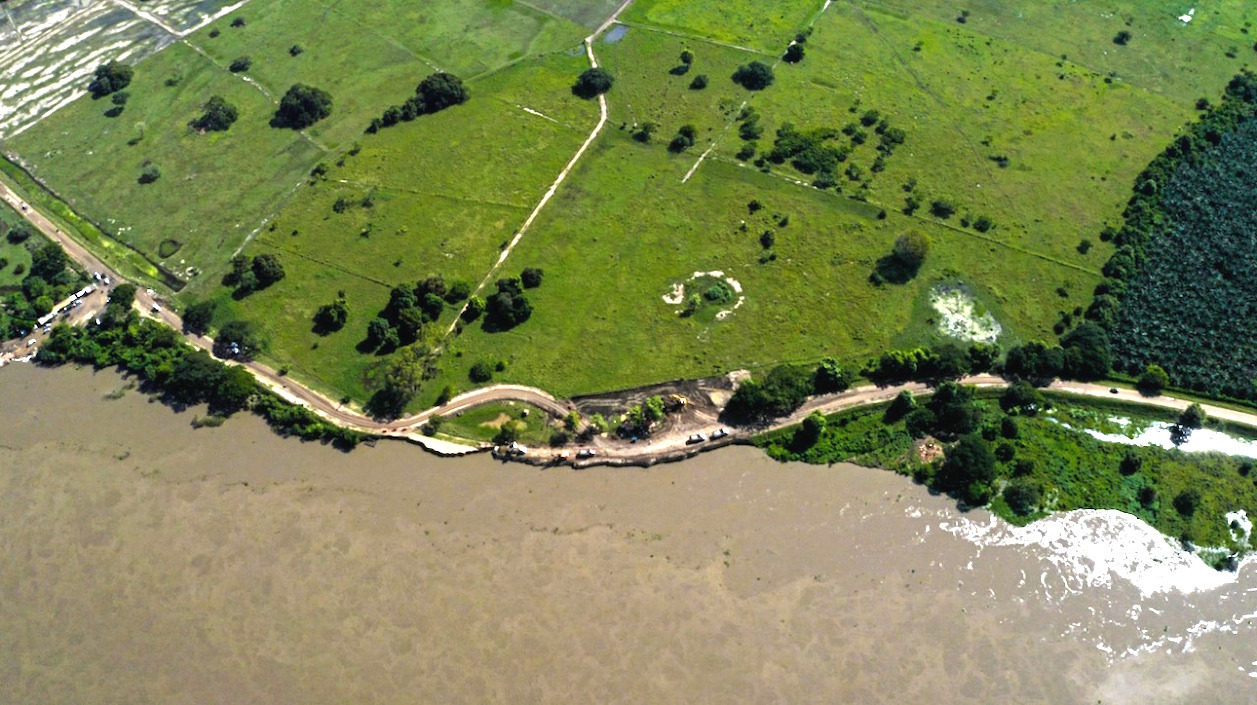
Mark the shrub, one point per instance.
(943, 209)
(241, 64)
(699, 82)
(238, 22)
(1131, 464)
(794, 54)
(268, 269)
(296, 50)
(755, 76)
(1122, 38)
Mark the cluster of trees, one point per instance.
(814, 151)
(301, 107)
(755, 76)
(410, 310)
(435, 93)
(940, 363)
(1084, 353)
(1178, 289)
(592, 83)
(249, 274)
(784, 389)
(49, 279)
(216, 116)
(508, 307)
(110, 77)
(684, 139)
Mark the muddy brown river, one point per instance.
(144, 561)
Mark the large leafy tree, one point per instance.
(302, 106)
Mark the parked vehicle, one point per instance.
(721, 433)
(696, 438)
(586, 453)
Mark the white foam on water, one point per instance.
(1091, 547)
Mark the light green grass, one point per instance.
(588, 13)
(214, 188)
(624, 230)
(371, 56)
(449, 189)
(767, 26)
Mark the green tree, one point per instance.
(268, 269)
(794, 54)
(395, 381)
(910, 250)
(240, 64)
(301, 107)
(810, 431)
(1186, 502)
(377, 331)
(440, 91)
(110, 77)
(474, 309)
(968, 469)
(687, 57)
(480, 372)
(699, 82)
(48, 261)
(755, 76)
(593, 83)
(1022, 495)
(783, 390)
(198, 317)
(531, 277)
(902, 405)
(1021, 398)
(216, 116)
(1153, 381)
(1193, 417)
(149, 173)
(1088, 354)
(332, 317)
(246, 336)
(831, 377)
(943, 208)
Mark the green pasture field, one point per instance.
(372, 55)
(646, 91)
(624, 230)
(214, 189)
(447, 191)
(1165, 56)
(1074, 143)
(764, 26)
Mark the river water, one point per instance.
(145, 561)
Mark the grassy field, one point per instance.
(1031, 116)
(214, 189)
(625, 231)
(447, 191)
(757, 25)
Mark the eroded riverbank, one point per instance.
(146, 561)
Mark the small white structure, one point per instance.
(1188, 17)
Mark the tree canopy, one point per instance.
(592, 83)
(302, 106)
(110, 77)
(755, 76)
(216, 116)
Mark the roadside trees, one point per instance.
(198, 316)
(1153, 381)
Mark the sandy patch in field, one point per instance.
(960, 318)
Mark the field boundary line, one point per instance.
(148, 17)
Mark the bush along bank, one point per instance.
(180, 374)
(1027, 453)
